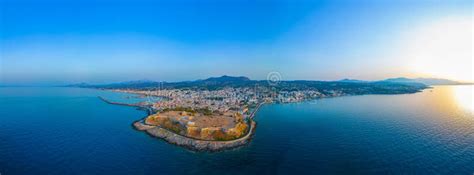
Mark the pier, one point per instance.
(141, 106)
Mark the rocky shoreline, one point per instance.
(187, 142)
(194, 144)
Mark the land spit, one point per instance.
(192, 143)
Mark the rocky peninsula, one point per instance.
(191, 143)
(200, 131)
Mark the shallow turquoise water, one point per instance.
(71, 131)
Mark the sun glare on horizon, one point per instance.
(441, 49)
(464, 96)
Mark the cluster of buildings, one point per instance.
(223, 100)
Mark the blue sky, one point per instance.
(109, 41)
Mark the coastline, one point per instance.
(194, 144)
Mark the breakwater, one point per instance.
(140, 106)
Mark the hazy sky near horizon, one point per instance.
(109, 41)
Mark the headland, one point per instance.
(218, 113)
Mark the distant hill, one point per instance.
(352, 81)
(137, 82)
(210, 83)
(241, 81)
(226, 78)
(410, 81)
(347, 86)
(426, 81)
(78, 85)
(125, 84)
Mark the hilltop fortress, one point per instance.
(212, 126)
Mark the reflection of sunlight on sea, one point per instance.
(464, 97)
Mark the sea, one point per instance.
(62, 130)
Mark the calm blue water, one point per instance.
(70, 131)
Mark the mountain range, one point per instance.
(426, 81)
(241, 80)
